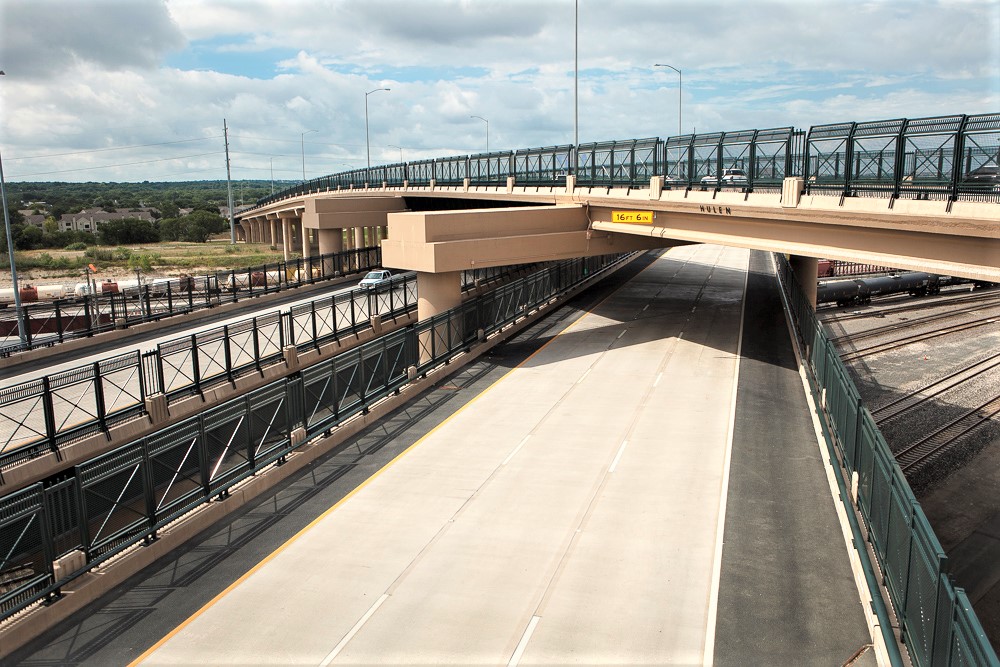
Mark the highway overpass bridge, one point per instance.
(920, 194)
(831, 192)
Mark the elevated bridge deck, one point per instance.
(646, 488)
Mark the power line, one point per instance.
(119, 148)
(121, 164)
(316, 143)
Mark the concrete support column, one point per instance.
(359, 237)
(296, 234)
(274, 232)
(306, 242)
(286, 237)
(245, 226)
(330, 241)
(806, 270)
(436, 293)
(348, 245)
(261, 232)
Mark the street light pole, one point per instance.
(487, 131)
(10, 253)
(576, 85)
(271, 160)
(303, 141)
(680, 96)
(400, 151)
(368, 149)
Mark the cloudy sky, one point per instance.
(132, 90)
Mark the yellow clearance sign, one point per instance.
(634, 217)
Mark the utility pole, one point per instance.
(10, 252)
(229, 186)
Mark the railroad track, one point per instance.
(922, 304)
(898, 326)
(919, 454)
(950, 381)
(915, 338)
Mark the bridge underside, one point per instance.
(450, 241)
(538, 224)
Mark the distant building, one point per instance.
(89, 220)
(32, 218)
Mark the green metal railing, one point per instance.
(936, 619)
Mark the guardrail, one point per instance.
(53, 322)
(43, 414)
(944, 157)
(122, 498)
(935, 617)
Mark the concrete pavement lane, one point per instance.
(536, 501)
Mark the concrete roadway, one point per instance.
(580, 509)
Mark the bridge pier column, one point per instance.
(330, 241)
(306, 242)
(806, 270)
(274, 232)
(296, 235)
(246, 231)
(436, 293)
(286, 238)
(359, 237)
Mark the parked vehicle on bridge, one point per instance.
(729, 177)
(988, 176)
(375, 278)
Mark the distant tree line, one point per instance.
(197, 227)
(54, 199)
(167, 197)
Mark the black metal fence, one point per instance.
(43, 414)
(125, 496)
(947, 157)
(53, 322)
(935, 617)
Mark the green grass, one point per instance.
(164, 259)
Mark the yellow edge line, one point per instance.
(274, 554)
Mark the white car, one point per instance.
(729, 177)
(375, 278)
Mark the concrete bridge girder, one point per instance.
(960, 238)
(448, 241)
(919, 245)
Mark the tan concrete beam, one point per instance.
(440, 242)
(344, 213)
(976, 257)
(354, 204)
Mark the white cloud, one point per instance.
(108, 74)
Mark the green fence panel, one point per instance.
(927, 560)
(880, 500)
(897, 548)
(969, 643)
(866, 470)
